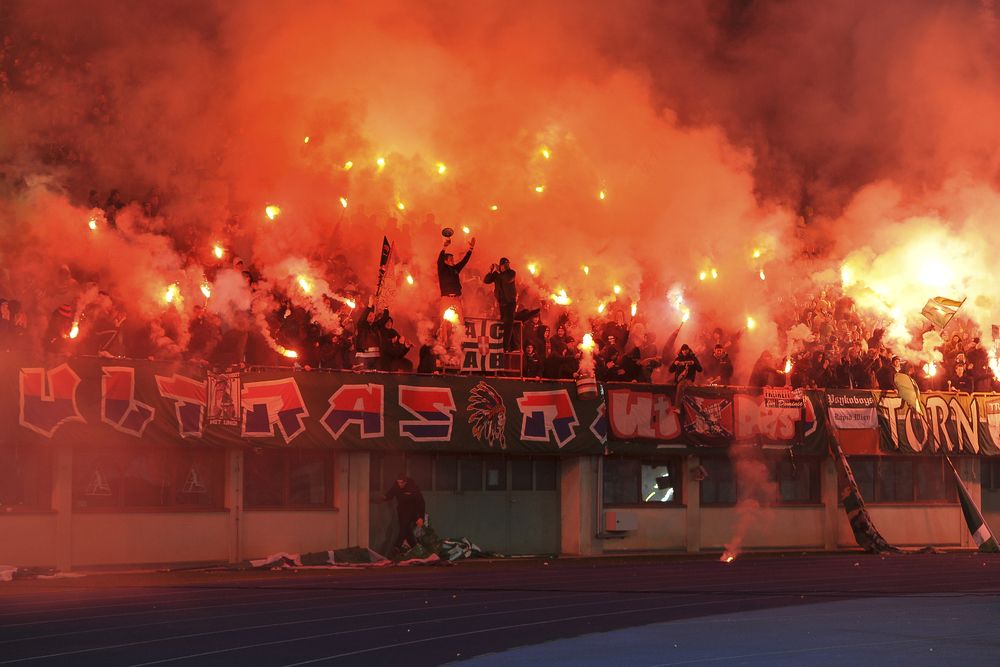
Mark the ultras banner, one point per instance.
(92, 401)
(711, 416)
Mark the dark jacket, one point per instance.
(409, 501)
(685, 366)
(448, 279)
(503, 286)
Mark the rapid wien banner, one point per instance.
(96, 401)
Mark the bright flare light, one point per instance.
(756, 253)
(561, 298)
(685, 314)
(285, 352)
(206, 289)
(380, 162)
(728, 557)
(348, 165)
(304, 284)
(401, 206)
(539, 189)
(602, 195)
(586, 270)
(169, 294)
(635, 308)
(272, 211)
(92, 223)
(351, 303)
(601, 307)
(305, 140)
(546, 153)
(75, 331)
(751, 323)
(846, 276)
(533, 269)
(715, 274)
(702, 275)
(343, 202)
(761, 275)
(450, 315)
(409, 279)
(930, 369)
(788, 366)
(441, 167)
(617, 289)
(218, 251)
(587, 343)
(494, 207)
(466, 230)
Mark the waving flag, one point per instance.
(940, 310)
(981, 533)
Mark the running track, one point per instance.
(415, 616)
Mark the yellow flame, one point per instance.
(409, 279)
(756, 253)
(539, 189)
(343, 202)
(702, 275)
(846, 275)
(602, 195)
(494, 207)
(450, 315)
(788, 365)
(635, 309)
(170, 293)
(561, 298)
(586, 270)
(305, 140)
(92, 223)
(930, 369)
(617, 289)
(380, 162)
(728, 557)
(601, 307)
(715, 274)
(351, 303)
(304, 284)
(441, 167)
(587, 343)
(348, 165)
(761, 275)
(994, 364)
(465, 229)
(285, 352)
(401, 206)
(751, 323)
(546, 153)
(75, 331)
(533, 269)
(218, 251)
(272, 211)
(685, 314)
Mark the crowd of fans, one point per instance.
(827, 341)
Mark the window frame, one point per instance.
(950, 498)
(677, 466)
(326, 456)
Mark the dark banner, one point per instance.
(715, 417)
(953, 423)
(92, 401)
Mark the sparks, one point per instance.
(272, 211)
(409, 279)
(450, 315)
(602, 195)
(75, 331)
(617, 289)
(348, 165)
(539, 189)
(218, 251)
(635, 309)
(533, 269)
(561, 298)
(441, 167)
(343, 202)
(206, 289)
(92, 223)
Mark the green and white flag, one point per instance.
(981, 533)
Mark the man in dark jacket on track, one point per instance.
(409, 509)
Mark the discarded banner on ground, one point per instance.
(715, 417)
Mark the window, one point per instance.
(789, 480)
(466, 473)
(470, 473)
(149, 478)
(496, 474)
(903, 479)
(638, 482)
(288, 478)
(25, 477)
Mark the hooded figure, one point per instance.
(409, 508)
(685, 365)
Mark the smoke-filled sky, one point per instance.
(666, 139)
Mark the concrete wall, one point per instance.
(105, 538)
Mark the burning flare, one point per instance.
(272, 211)
(92, 223)
(206, 289)
(450, 315)
(75, 331)
(533, 269)
(218, 251)
(343, 202)
(561, 298)
(635, 309)
(587, 344)
(727, 557)
(441, 167)
(409, 279)
(170, 294)
(751, 323)
(304, 284)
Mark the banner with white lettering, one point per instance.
(852, 410)
(954, 423)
